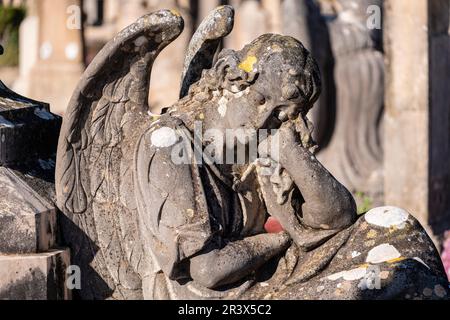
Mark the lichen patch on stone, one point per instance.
(387, 217)
(382, 253)
(222, 109)
(248, 64)
(440, 291)
(349, 275)
(175, 13)
(164, 137)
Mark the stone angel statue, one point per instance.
(145, 219)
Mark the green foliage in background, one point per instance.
(364, 202)
(10, 19)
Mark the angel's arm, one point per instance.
(237, 259)
(327, 203)
(178, 216)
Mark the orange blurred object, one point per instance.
(273, 225)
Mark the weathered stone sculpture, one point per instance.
(153, 211)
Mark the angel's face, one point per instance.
(273, 80)
(270, 101)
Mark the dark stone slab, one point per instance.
(28, 139)
(28, 130)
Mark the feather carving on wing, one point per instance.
(94, 155)
(105, 118)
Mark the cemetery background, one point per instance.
(382, 122)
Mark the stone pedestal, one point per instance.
(31, 266)
(34, 276)
(60, 53)
(417, 121)
(28, 220)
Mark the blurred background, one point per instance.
(383, 119)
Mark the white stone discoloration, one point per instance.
(235, 93)
(222, 109)
(234, 89)
(164, 137)
(422, 262)
(387, 217)
(43, 114)
(382, 253)
(5, 123)
(355, 254)
(349, 275)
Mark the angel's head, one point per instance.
(269, 81)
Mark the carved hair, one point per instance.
(227, 73)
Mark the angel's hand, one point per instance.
(280, 144)
(304, 129)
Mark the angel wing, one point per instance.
(93, 174)
(204, 44)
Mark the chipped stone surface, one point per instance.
(349, 275)
(222, 109)
(164, 137)
(383, 252)
(387, 217)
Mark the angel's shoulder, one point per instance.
(161, 143)
(158, 168)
